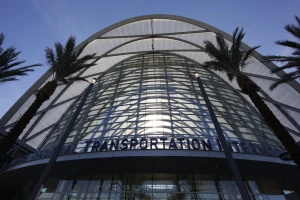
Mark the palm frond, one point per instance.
(294, 74)
(286, 78)
(234, 34)
(246, 56)
(65, 62)
(294, 29)
(287, 43)
(4, 80)
(8, 55)
(12, 74)
(213, 52)
(9, 66)
(234, 49)
(50, 57)
(230, 76)
(76, 79)
(297, 19)
(1, 42)
(228, 60)
(288, 65)
(222, 45)
(1, 38)
(296, 53)
(59, 50)
(79, 52)
(218, 66)
(290, 62)
(272, 58)
(237, 41)
(70, 44)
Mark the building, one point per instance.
(145, 131)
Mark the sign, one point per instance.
(153, 143)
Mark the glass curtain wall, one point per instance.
(160, 187)
(156, 95)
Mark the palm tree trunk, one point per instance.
(251, 89)
(43, 95)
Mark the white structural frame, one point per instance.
(287, 112)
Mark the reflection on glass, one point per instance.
(206, 187)
(155, 95)
(162, 187)
(63, 189)
(139, 187)
(230, 189)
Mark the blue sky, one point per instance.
(33, 25)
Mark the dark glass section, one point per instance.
(162, 187)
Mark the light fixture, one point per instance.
(196, 74)
(94, 80)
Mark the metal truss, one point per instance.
(169, 35)
(108, 104)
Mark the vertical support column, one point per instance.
(168, 93)
(86, 112)
(195, 187)
(230, 160)
(203, 118)
(139, 98)
(220, 188)
(152, 195)
(87, 188)
(84, 116)
(52, 161)
(111, 103)
(118, 189)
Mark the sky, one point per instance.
(33, 25)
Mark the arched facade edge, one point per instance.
(7, 116)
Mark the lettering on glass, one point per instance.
(153, 143)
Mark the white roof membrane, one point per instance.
(134, 36)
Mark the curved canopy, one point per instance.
(159, 33)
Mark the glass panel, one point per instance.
(48, 190)
(153, 95)
(140, 187)
(63, 189)
(275, 189)
(164, 186)
(229, 189)
(78, 190)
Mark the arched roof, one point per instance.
(161, 33)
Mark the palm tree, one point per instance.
(292, 61)
(232, 61)
(9, 70)
(63, 63)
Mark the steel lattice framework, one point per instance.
(139, 35)
(156, 95)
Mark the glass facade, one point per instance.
(156, 95)
(161, 187)
(143, 96)
(175, 34)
